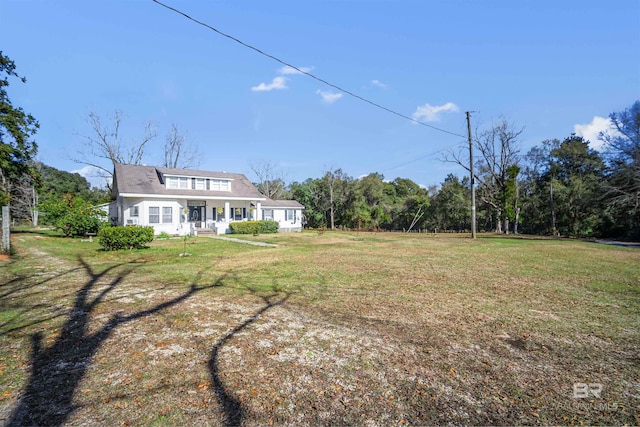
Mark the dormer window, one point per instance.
(193, 183)
(220, 185)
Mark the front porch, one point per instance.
(213, 216)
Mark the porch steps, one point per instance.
(205, 232)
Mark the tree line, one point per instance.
(559, 187)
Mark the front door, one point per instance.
(196, 215)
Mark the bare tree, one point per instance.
(270, 180)
(499, 151)
(336, 184)
(177, 152)
(623, 150)
(105, 147)
(24, 198)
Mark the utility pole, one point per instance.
(473, 180)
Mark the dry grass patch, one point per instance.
(325, 329)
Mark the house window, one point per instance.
(133, 211)
(167, 215)
(184, 183)
(238, 214)
(173, 182)
(199, 183)
(154, 215)
(219, 185)
(218, 213)
(267, 214)
(290, 215)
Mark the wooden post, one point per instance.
(471, 175)
(6, 245)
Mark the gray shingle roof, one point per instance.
(270, 203)
(133, 179)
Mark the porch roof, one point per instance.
(291, 204)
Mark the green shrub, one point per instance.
(163, 235)
(254, 227)
(73, 216)
(245, 227)
(270, 226)
(130, 237)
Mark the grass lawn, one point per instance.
(324, 329)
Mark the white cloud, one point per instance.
(590, 131)
(379, 84)
(329, 97)
(277, 83)
(93, 175)
(290, 70)
(87, 171)
(431, 113)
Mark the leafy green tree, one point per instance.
(334, 188)
(563, 189)
(413, 213)
(538, 210)
(368, 202)
(577, 172)
(308, 193)
(450, 206)
(357, 212)
(57, 183)
(17, 128)
(404, 202)
(73, 215)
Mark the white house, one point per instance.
(288, 213)
(183, 201)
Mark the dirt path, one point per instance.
(619, 243)
(248, 242)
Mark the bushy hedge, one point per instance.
(72, 215)
(254, 227)
(130, 237)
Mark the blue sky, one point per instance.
(552, 67)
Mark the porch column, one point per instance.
(258, 211)
(226, 211)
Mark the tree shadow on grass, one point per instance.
(22, 283)
(11, 300)
(231, 407)
(57, 370)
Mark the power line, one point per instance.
(413, 160)
(301, 71)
